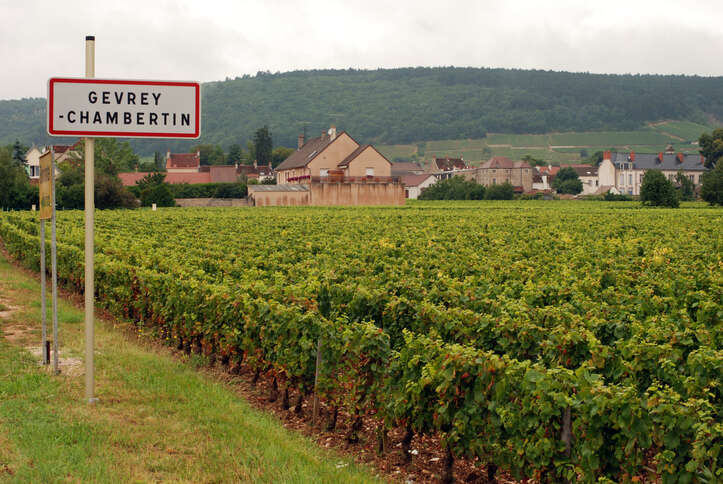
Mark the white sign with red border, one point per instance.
(124, 108)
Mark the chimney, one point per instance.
(256, 164)
(301, 141)
(702, 159)
(632, 156)
(659, 159)
(680, 157)
(606, 155)
(332, 132)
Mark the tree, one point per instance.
(596, 158)
(15, 189)
(159, 161)
(455, 188)
(711, 147)
(235, 153)
(263, 145)
(656, 190)
(685, 187)
(210, 154)
(712, 189)
(533, 161)
(500, 192)
(278, 155)
(567, 181)
(159, 194)
(19, 153)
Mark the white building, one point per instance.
(415, 184)
(623, 172)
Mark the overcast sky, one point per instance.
(210, 40)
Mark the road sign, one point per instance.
(45, 186)
(124, 108)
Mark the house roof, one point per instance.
(504, 163)
(60, 149)
(308, 152)
(297, 187)
(183, 160)
(130, 179)
(401, 168)
(549, 170)
(415, 180)
(584, 170)
(660, 161)
(223, 174)
(361, 149)
(449, 164)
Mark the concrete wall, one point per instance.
(369, 158)
(212, 202)
(273, 199)
(357, 194)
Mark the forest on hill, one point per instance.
(392, 106)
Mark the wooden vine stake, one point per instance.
(315, 411)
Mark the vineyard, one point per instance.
(557, 341)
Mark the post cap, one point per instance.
(90, 37)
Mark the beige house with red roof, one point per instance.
(332, 169)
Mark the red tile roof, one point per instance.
(504, 163)
(183, 160)
(130, 179)
(415, 180)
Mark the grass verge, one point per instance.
(156, 420)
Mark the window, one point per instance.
(691, 178)
(630, 179)
(622, 179)
(370, 172)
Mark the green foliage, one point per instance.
(617, 197)
(230, 190)
(19, 151)
(159, 194)
(201, 190)
(459, 320)
(711, 147)
(263, 145)
(504, 191)
(567, 181)
(110, 193)
(210, 154)
(279, 154)
(657, 190)
(235, 153)
(15, 189)
(685, 187)
(455, 188)
(712, 185)
(405, 105)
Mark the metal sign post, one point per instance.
(54, 264)
(45, 192)
(89, 239)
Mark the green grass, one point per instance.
(684, 129)
(157, 418)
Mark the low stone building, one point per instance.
(499, 170)
(414, 185)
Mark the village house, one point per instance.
(332, 169)
(61, 152)
(414, 185)
(623, 172)
(588, 175)
(402, 168)
(444, 168)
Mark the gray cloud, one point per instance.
(210, 40)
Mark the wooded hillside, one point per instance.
(418, 104)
